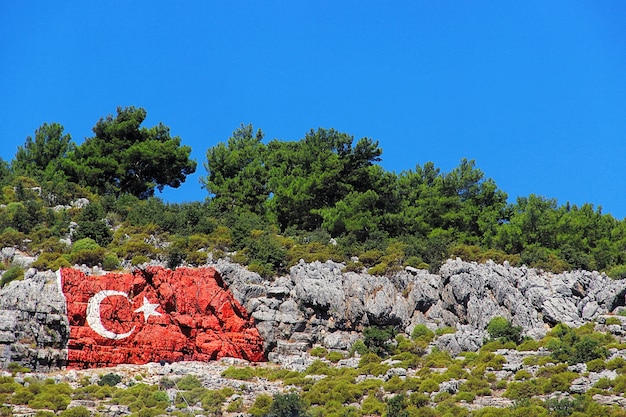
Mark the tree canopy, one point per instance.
(272, 203)
(124, 157)
(42, 156)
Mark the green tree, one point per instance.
(5, 172)
(123, 157)
(315, 173)
(237, 171)
(42, 156)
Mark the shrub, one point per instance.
(212, 401)
(587, 349)
(523, 375)
(318, 351)
(15, 367)
(528, 345)
(87, 251)
(429, 385)
(378, 339)
(617, 272)
(596, 365)
(197, 258)
(242, 374)
(235, 406)
(420, 331)
(287, 405)
(12, 274)
(612, 320)
(139, 260)
(261, 406)
(79, 411)
(465, 396)
(372, 406)
(52, 260)
(110, 379)
(358, 347)
(501, 328)
(22, 396)
(445, 330)
(522, 390)
(396, 406)
(189, 382)
(12, 237)
(84, 244)
(110, 262)
(334, 356)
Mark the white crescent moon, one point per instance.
(95, 320)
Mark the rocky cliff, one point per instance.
(318, 303)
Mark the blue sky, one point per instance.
(534, 91)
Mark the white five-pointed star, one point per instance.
(148, 309)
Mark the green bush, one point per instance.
(358, 347)
(189, 382)
(318, 351)
(287, 405)
(87, 251)
(420, 331)
(22, 396)
(612, 320)
(84, 244)
(15, 367)
(79, 411)
(52, 260)
(587, 349)
(242, 374)
(378, 339)
(596, 365)
(110, 379)
(372, 406)
(528, 345)
(445, 330)
(110, 262)
(139, 260)
(235, 406)
(617, 272)
(212, 401)
(334, 356)
(522, 390)
(501, 328)
(14, 273)
(12, 237)
(261, 406)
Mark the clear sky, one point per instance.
(534, 91)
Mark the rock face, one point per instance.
(33, 323)
(318, 303)
(155, 315)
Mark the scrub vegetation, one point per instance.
(409, 377)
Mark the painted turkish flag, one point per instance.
(155, 314)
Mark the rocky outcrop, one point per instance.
(33, 322)
(316, 303)
(319, 303)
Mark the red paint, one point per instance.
(197, 318)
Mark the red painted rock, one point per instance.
(155, 314)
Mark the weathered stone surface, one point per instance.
(33, 322)
(155, 314)
(318, 303)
